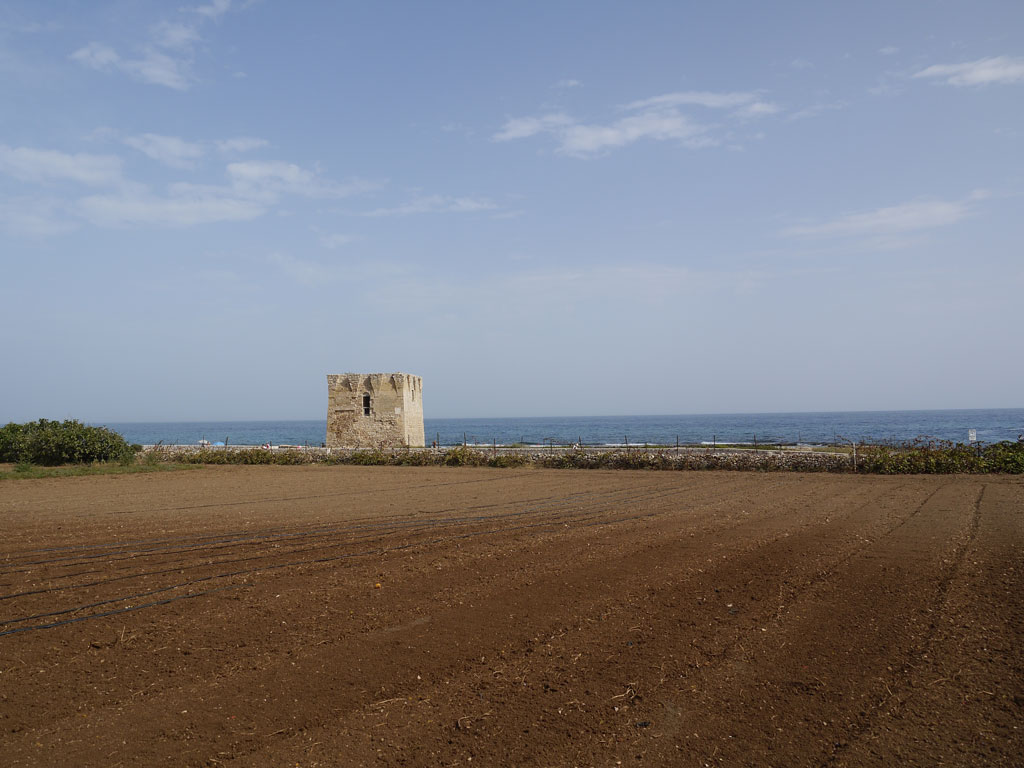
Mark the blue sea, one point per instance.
(991, 426)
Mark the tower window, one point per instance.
(366, 405)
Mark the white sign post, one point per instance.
(972, 435)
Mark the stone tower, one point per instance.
(371, 410)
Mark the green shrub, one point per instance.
(462, 456)
(922, 456)
(374, 457)
(932, 457)
(407, 458)
(1005, 457)
(51, 443)
(12, 441)
(509, 460)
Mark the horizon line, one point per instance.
(585, 416)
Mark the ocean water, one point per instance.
(991, 425)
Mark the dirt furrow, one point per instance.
(528, 618)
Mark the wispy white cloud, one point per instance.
(435, 204)
(708, 99)
(241, 144)
(250, 189)
(183, 207)
(889, 50)
(744, 104)
(889, 84)
(214, 10)
(659, 118)
(567, 83)
(41, 165)
(304, 271)
(179, 153)
(34, 217)
(524, 127)
(166, 58)
(264, 179)
(581, 139)
(97, 56)
(169, 150)
(260, 176)
(175, 35)
(153, 66)
(159, 68)
(816, 109)
(915, 216)
(758, 109)
(656, 125)
(1003, 70)
(335, 240)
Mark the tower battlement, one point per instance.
(370, 410)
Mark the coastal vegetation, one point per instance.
(938, 457)
(69, 448)
(65, 448)
(54, 443)
(921, 456)
(26, 471)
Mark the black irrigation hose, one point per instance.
(411, 526)
(278, 566)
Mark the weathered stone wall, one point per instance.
(564, 457)
(369, 410)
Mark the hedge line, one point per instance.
(933, 457)
(51, 443)
(920, 457)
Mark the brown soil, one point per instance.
(273, 616)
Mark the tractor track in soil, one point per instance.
(447, 616)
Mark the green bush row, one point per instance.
(50, 443)
(765, 461)
(919, 457)
(935, 457)
(455, 457)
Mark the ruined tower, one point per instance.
(370, 410)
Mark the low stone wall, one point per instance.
(551, 457)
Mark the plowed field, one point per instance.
(322, 616)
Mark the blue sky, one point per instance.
(559, 208)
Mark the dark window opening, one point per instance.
(366, 405)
